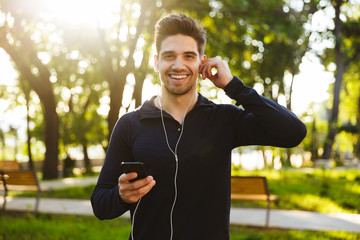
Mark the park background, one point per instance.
(70, 69)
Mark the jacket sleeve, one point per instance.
(105, 199)
(263, 122)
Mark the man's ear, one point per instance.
(156, 64)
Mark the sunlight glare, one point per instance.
(311, 84)
(8, 72)
(149, 89)
(82, 12)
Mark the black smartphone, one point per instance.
(138, 167)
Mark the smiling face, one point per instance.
(178, 63)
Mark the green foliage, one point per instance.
(254, 36)
(89, 66)
(349, 115)
(344, 52)
(349, 105)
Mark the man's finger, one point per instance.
(140, 192)
(142, 182)
(134, 194)
(127, 177)
(205, 70)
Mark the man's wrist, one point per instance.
(234, 88)
(226, 82)
(233, 84)
(122, 201)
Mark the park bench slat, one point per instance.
(13, 164)
(252, 188)
(254, 197)
(12, 178)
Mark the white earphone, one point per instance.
(174, 152)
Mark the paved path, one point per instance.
(243, 216)
(286, 219)
(67, 182)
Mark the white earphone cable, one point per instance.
(133, 220)
(174, 152)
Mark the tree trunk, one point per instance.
(87, 164)
(289, 106)
(340, 64)
(42, 86)
(26, 91)
(51, 161)
(2, 139)
(314, 142)
(116, 95)
(14, 131)
(289, 101)
(357, 145)
(137, 95)
(117, 77)
(31, 164)
(264, 157)
(288, 156)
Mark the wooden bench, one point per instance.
(9, 165)
(12, 178)
(252, 188)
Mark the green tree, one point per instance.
(262, 41)
(116, 65)
(16, 41)
(349, 108)
(2, 141)
(79, 88)
(26, 90)
(116, 52)
(346, 38)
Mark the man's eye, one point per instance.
(189, 56)
(167, 56)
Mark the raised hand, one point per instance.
(222, 76)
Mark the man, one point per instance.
(185, 142)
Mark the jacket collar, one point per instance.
(149, 110)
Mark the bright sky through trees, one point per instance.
(311, 85)
(82, 12)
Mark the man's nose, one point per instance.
(178, 64)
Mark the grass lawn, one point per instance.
(55, 227)
(16, 226)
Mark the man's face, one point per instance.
(178, 63)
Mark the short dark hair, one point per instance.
(179, 24)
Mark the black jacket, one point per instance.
(210, 133)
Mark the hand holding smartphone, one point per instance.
(138, 167)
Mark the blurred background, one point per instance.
(70, 69)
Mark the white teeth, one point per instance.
(178, 76)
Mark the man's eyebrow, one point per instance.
(172, 52)
(167, 52)
(191, 53)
